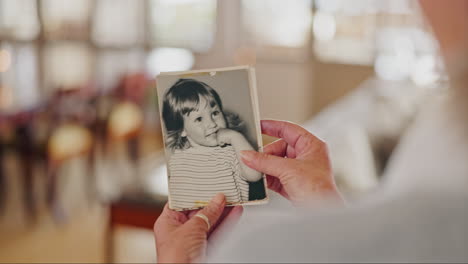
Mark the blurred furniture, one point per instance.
(17, 138)
(364, 127)
(140, 211)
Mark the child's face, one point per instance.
(201, 126)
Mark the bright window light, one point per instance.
(169, 59)
(119, 23)
(158, 181)
(18, 19)
(324, 26)
(424, 71)
(277, 22)
(189, 24)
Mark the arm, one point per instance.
(239, 143)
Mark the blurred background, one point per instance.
(82, 176)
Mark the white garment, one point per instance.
(419, 215)
(197, 174)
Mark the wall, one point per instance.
(332, 81)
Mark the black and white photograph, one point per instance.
(208, 117)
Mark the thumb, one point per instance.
(265, 163)
(212, 211)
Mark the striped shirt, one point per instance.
(198, 174)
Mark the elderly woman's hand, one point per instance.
(297, 165)
(182, 237)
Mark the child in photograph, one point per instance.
(206, 148)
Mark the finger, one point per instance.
(277, 148)
(293, 134)
(275, 185)
(280, 148)
(212, 211)
(169, 220)
(176, 216)
(191, 213)
(290, 152)
(267, 164)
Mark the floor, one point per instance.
(82, 239)
(78, 231)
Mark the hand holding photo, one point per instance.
(208, 118)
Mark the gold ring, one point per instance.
(205, 218)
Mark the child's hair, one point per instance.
(181, 99)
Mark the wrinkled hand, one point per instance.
(226, 135)
(182, 238)
(297, 165)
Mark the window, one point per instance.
(189, 24)
(67, 65)
(66, 18)
(277, 22)
(276, 29)
(27, 28)
(169, 59)
(344, 31)
(112, 64)
(119, 23)
(389, 34)
(19, 88)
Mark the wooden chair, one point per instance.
(139, 211)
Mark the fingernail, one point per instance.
(218, 199)
(247, 154)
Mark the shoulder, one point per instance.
(381, 232)
(190, 155)
(421, 155)
(180, 156)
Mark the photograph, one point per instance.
(208, 117)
